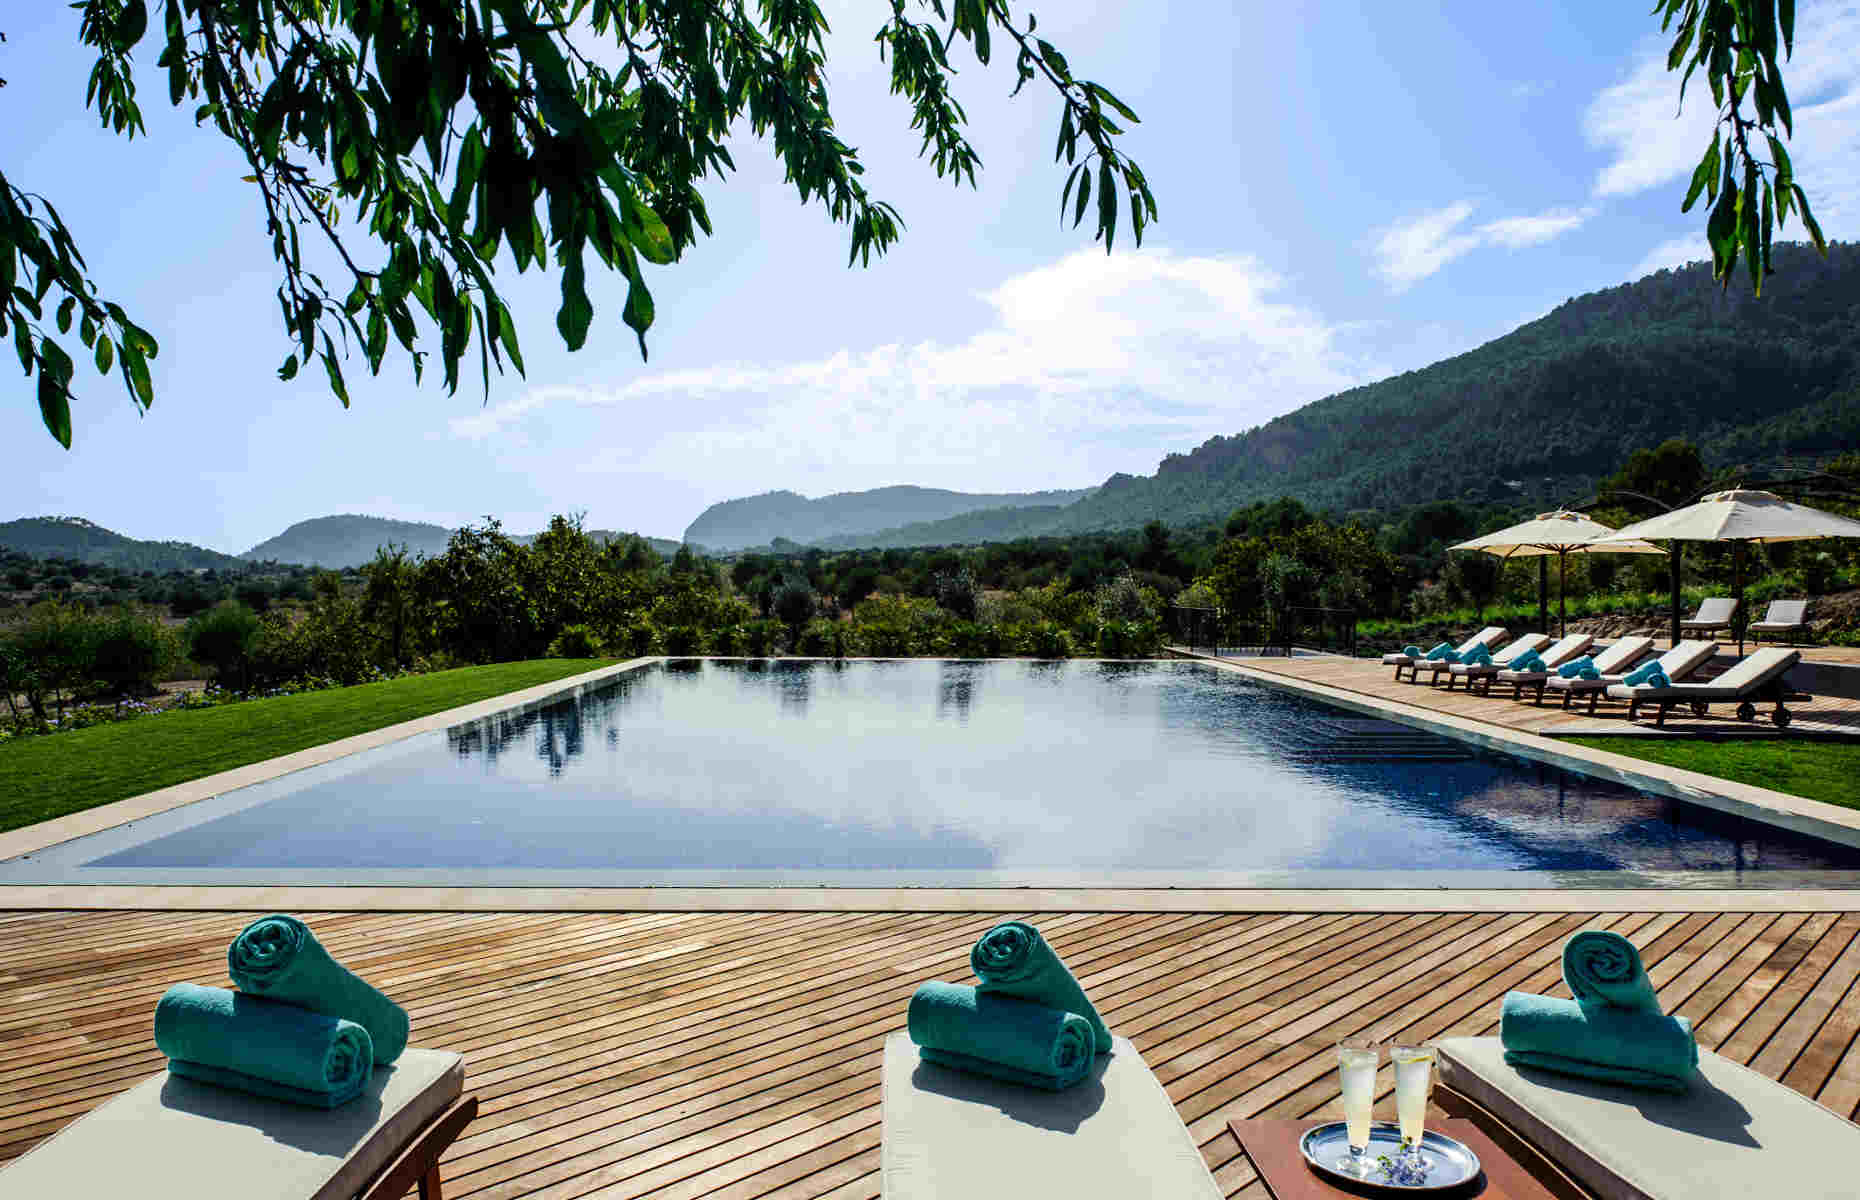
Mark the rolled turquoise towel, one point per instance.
(1647, 674)
(1530, 660)
(1604, 968)
(1013, 959)
(1583, 667)
(279, 958)
(1443, 651)
(1589, 673)
(1627, 1046)
(1412, 651)
(261, 1046)
(993, 1034)
(1478, 656)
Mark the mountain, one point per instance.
(1538, 415)
(350, 540)
(85, 541)
(759, 520)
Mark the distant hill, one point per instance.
(759, 520)
(351, 539)
(86, 541)
(1538, 415)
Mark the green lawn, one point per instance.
(1818, 770)
(45, 777)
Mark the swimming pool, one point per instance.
(938, 773)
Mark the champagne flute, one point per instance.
(1414, 1077)
(1356, 1068)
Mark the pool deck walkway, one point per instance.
(1826, 716)
(736, 1055)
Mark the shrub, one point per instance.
(823, 639)
(130, 651)
(52, 645)
(1047, 639)
(576, 641)
(793, 605)
(727, 639)
(760, 636)
(956, 592)
(1124, 599)
(636, 638)
(968, 639)
(684, 639)
(224, 637)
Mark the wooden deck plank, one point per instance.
(736, 1055)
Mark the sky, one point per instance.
(1347, 190)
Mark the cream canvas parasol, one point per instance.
(1561, 533)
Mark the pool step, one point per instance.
(1365, 739)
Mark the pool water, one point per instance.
(938, 773)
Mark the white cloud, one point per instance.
(1411, 251)
(1674, 253)
(494, 419)
(1090, 364)
(1649, 146)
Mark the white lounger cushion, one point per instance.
(948, 1135)
(1755, 671)
(174, 1139)
(1678, 663)
(1736, 1134)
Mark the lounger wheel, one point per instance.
(1780, 717)
(1699, 708)
(1746, 711)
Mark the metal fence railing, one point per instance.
(1198, 628)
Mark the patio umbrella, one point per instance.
(1561, 533)
(1737, 517)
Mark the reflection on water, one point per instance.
(960, 766)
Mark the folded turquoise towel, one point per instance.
(1443, 651)
(228, 1038)
(1589, 673)
(279, 958)
(1647, 674)
(1478, 656)
(993, 1034)
(1583, 667)
(1530, 660)
(1412, 651)
(1627, 1046)
(1013, 959)
(1601, 967)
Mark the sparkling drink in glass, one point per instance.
(1356, 1067)
(1414, 1077)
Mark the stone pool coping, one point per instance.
(1816, 818)
(32, 838)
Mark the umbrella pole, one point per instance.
(1675, 567)
(1543, 595)
(1737, 589)
(1562, 594)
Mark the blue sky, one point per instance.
(1347, 190)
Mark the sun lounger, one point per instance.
(1734, 1134)
(1623, 656)
(1759, 677)
(1784, 617)
(1489, 636)
(1566, 650)
(1714, 614)
(1485, 671)
(169, 1138)
(948, 1135)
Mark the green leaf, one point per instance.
(54, 391)
(1785, 16)
(1705, 175)
(1107, 205)
(1078, 213)
(334, 370)
(1123, 109)
(577, 312)
(131, 25)
(639, 311)
(106, 354)
(1721, 231)
(507, 334)
(648, 234)
(1808, 220)
(138, 368)
(288, 371)
(64, 314)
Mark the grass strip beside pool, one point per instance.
(51, 776)
(1816, 770)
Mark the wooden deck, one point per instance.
(736, 1055)
(1825, 715)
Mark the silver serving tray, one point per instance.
(1446, 1163)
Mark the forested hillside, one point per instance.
(83, 541)
(759, 520)
(1537, 415)
(350, 540)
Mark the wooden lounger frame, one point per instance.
(1772, 691)
(418, 1163)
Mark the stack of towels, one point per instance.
(1444, 652)
(1026, 1022)
(1478, 656)
(300, 1028)
(1651, 675)
(1582, 668)
(1613, 1030)
(1530, 660)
